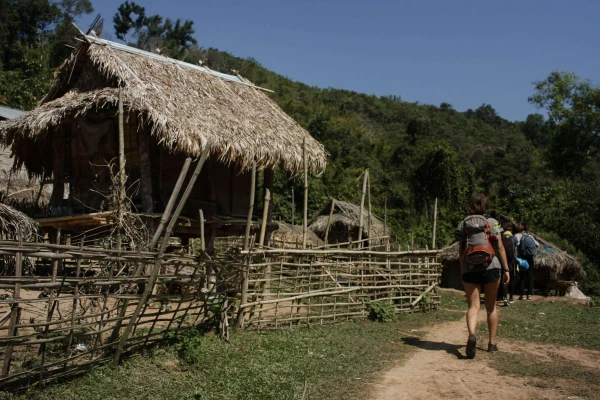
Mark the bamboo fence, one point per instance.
(72, 314)
(289, 288)
(81, 306)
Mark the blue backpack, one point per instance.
(527, 247)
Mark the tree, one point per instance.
(65, 32)
(537, 130)
(573, 107)
(173, 39)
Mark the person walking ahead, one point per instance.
(483, 262)
(526, 249)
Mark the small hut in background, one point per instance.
(554, 267)
(344, 225)
(173, 110)
(289, 236)
(6, 161)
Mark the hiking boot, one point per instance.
(521, 298)
(471, 346)
(511, 300)
(528, 297)
(492, 348)
(506, 303)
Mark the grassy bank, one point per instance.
(329, 362)
(539, 332)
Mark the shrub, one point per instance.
(381, 311)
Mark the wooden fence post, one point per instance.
(305, 215)
(159, 255)
(362, 206)
(434, 223)
(329, 220)
(15, 311)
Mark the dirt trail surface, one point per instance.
(439, 369)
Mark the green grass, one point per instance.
(557, 323)
(559, 374)
(337, 362)
(560, 322)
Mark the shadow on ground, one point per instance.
(435, 346)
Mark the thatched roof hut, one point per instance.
(173, 110)
(548, 256)
(288, 236)
(345, 223)
(551, 264)
(185, 105)
(13, 223)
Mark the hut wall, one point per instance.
(219, 190)
(452, 276)
(92, 144)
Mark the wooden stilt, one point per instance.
(171, 203)
(161, 252)
(362, 206)
(305, 210)
(329, 220)
(434, 223)
(263, 225)
(250, 207)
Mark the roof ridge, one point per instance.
(163, 58)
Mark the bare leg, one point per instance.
(491, 290)
(472, 291)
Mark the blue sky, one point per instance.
(465, 53)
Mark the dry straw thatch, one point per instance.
(13, 222)
(347, 214)
(548, 256)
(185, 106)
(291, 236)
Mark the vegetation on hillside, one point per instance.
(539, 169)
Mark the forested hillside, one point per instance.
(544, 169)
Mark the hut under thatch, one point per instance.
(291, 236)
(552, 265)
(173, 110)
(344, 224)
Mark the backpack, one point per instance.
(509, 248)
(478, 247)
(527, 246)
(523, 264)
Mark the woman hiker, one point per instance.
(526, 249)
(483, 262)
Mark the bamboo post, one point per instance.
(385, 217)
(293, 209)
(250, 206)
(434, 223)
(121, 171)
(202, 242)
(39, 194)
(370, 214)
(161, 252)
(244, 295)
(329, 220)
(15, 311)
(263, 225)
(362, 206)
(305, 215)
(171, 203)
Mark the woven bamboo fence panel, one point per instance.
(65, 309)
(289, 288)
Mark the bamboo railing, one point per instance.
(54, 325)
(76, 307)
(292, 287)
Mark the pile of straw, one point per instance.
(13, 222)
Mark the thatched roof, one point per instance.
(12, 222)
(548, 255)
(185, 105)
(290, 235)
(346, 214)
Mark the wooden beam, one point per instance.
(305, 209)
(329, 220)
(362, 204)
(250, 207)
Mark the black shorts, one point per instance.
(482, 277)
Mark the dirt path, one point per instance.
(439, 370)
